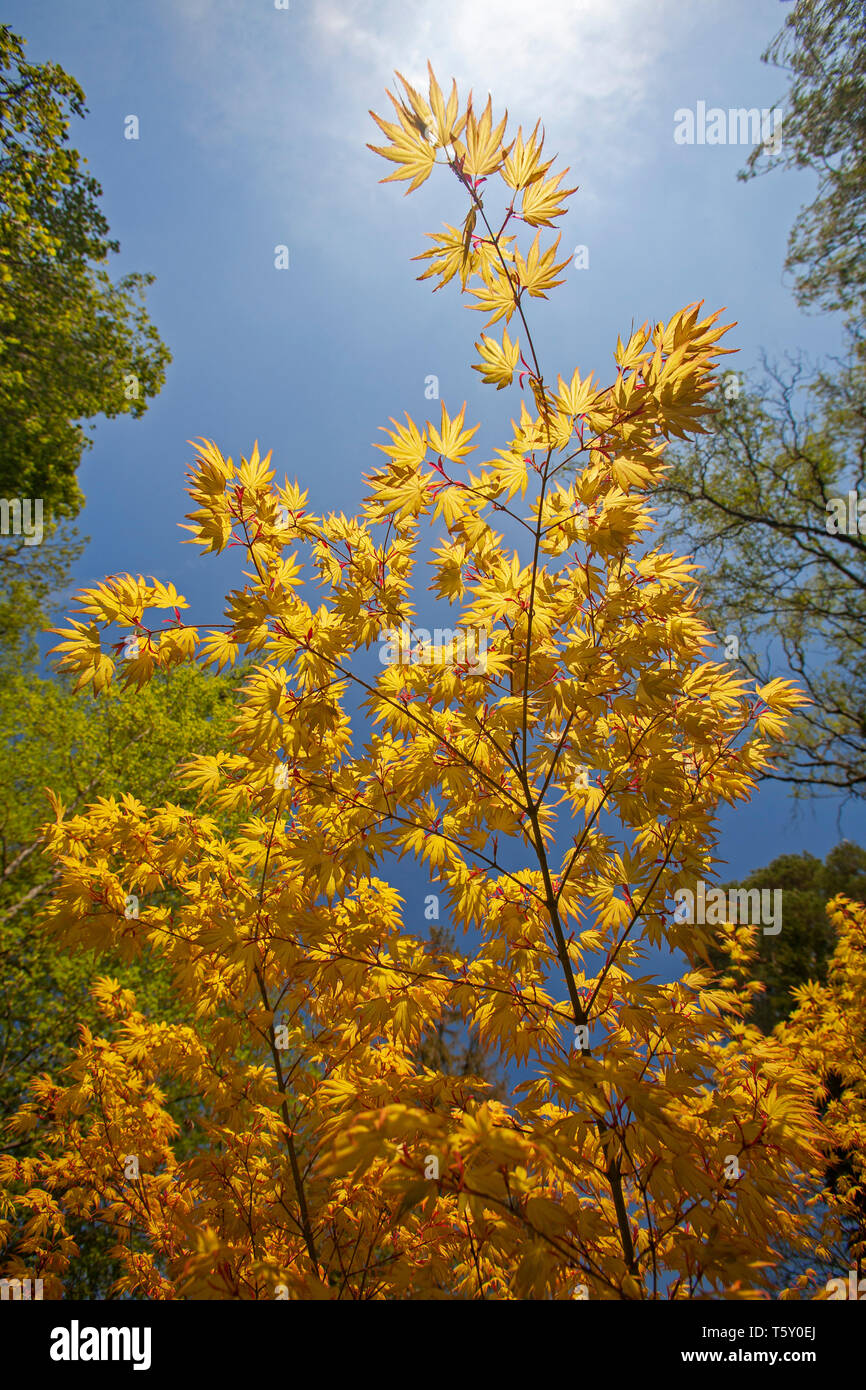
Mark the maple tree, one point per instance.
(827, 1032)
(82, 747)
(659, 1145)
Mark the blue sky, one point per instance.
(253, 130)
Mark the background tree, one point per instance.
(31, 580)
(803, 949)
(73, 344)
(822, 45)
(749, 499)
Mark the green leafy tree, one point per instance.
(822, 45)
(30, 579)
(757, 500)
(73, 344)
(802, 950)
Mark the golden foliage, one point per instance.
(329, 1163)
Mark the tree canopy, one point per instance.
(822, 45)
(73, 343)
(763, 501)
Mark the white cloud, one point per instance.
(584, 67)
(563, 54)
